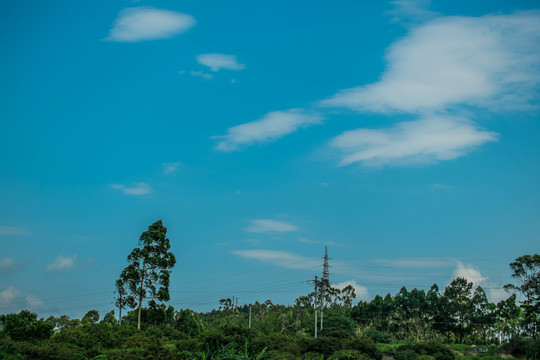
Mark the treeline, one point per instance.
(420, 322)
(410, 325)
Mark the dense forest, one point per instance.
(457, 322)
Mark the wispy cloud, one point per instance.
(270, 127)
(7, 295)
(217, 62)
(414, 263)
(429, 139)
(489, 61)
(169, 168)
(62, 263)
(266, 225)
(6, 265)
(201, 74)
(440, 70)
(146, 23)
(411, 10)
(280, 258)
(317, 242)
(135, 189)
(10, 230)
(33, 302)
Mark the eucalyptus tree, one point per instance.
(148, 273)
(526, 270)
(460, 306)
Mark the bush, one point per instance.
(365, 346)
(377, 336)
(521, 347)
(432, 348)
(349, 355)
(322, 345)
(276, 343)
(339, 327)
(25, 326)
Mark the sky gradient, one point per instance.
(404, 135)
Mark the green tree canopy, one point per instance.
(147, 275)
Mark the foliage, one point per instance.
(410, 325)
(25, 326)
(526, 270)
(147, 275)
(365, 346)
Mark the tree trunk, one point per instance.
(140, 298)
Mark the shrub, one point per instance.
(432, 348)
(25, 326)
(377, 336)
(365, 346)
(349, 355)
(322, 345)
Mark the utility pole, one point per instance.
(315, 306)
(249, 317)
(326, 281)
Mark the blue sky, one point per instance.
(403, 135)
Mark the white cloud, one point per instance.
(280, 258)
(415, 10)
(429, 139)
(217, 62)
(7, 295)
(316, 242)
(169, 168)
(146, 23)
(272, 126)
(468, 272)
(266, 225)
(439, 70)
(201, 74)
(6, 264)
(136, 189)
(496, 294)
(488, 61)
(33, 302)
(10, 230)
(413, 263)
(361, 291)
(62, 263)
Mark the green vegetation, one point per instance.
(459, 323)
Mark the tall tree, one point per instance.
(147, 275)
(527, 273)
(459, 296)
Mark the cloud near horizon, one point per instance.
(267, 225)
(7, 294)
(280, 258)
(137, 189)
(429, 139)
(361, 291)
(146, 23)
(468, 272)
(62, 263)
(270, 127)
(10, 230)
(217, 62)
